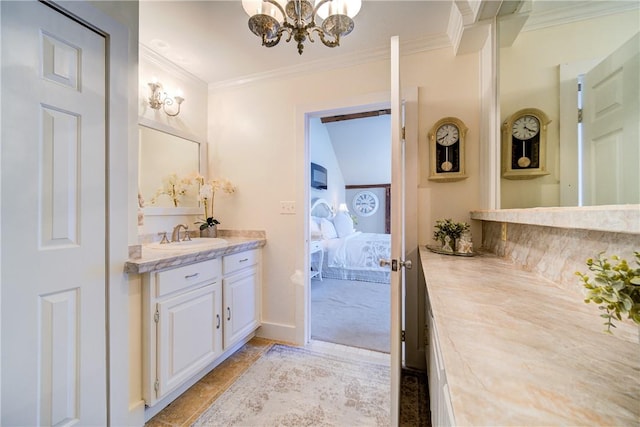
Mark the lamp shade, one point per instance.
(259, 7)
(349, 8)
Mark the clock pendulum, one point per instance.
(524, 161)
(446, 165)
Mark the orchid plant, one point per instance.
(174, 187)
(207, 196)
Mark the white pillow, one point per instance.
(314, 226)
(343, 224)
(328, 230)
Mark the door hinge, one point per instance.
(156, 386)
(402, 336)
(156, 316)
(403, 132)
(579, 115)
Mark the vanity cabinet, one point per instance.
(241, 295)
(439, 397)
(192, 315)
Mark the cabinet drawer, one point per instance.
(173, 280)
(235, 262)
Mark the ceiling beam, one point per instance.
(342, 117)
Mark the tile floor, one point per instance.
(187, 408)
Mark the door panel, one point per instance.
(397, 229)
(53, 219)
(611, 130)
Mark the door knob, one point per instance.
(394, 264)
(406, 264)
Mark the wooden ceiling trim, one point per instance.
(342, 117)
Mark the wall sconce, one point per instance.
(160, 99)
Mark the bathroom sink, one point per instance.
(188, 245)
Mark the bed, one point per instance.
(348, 254)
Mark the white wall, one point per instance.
(253, 131)
(529, 78)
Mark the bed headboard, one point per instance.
(321, 208)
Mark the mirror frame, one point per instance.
(202, 160)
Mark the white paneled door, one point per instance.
(397, 230)
(611, 130)
(53, 216)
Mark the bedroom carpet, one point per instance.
(351, 313)
(292, 386)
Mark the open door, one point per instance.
(611, 131)
(397, 230)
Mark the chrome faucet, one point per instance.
(175, 236)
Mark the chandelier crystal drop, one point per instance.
(272, 19)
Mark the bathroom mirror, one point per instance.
(161, 155)
(539, 70)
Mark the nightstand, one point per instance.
(316, 251)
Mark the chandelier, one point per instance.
(271, 19)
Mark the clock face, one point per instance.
(526, 127)
(365, 203)
(447, 135)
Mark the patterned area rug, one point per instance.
(291, 386)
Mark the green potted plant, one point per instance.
(615, 286)
(447, 232)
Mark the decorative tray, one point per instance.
(437, 250)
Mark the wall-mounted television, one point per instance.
(318, 177)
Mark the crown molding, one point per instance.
(336, 62)
(577, 11)
(151, 56)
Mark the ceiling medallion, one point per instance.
(271, 19)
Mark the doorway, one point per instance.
(349, 291)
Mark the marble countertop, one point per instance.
(519, 350)
(159, 259)
(611, 218)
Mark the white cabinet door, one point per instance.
(240, 305)
(189, 335)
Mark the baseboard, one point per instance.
(136, 414)
(278, 332)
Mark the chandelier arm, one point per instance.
(315, 9)
(272, 42)
(328, 43)
(276, 4)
